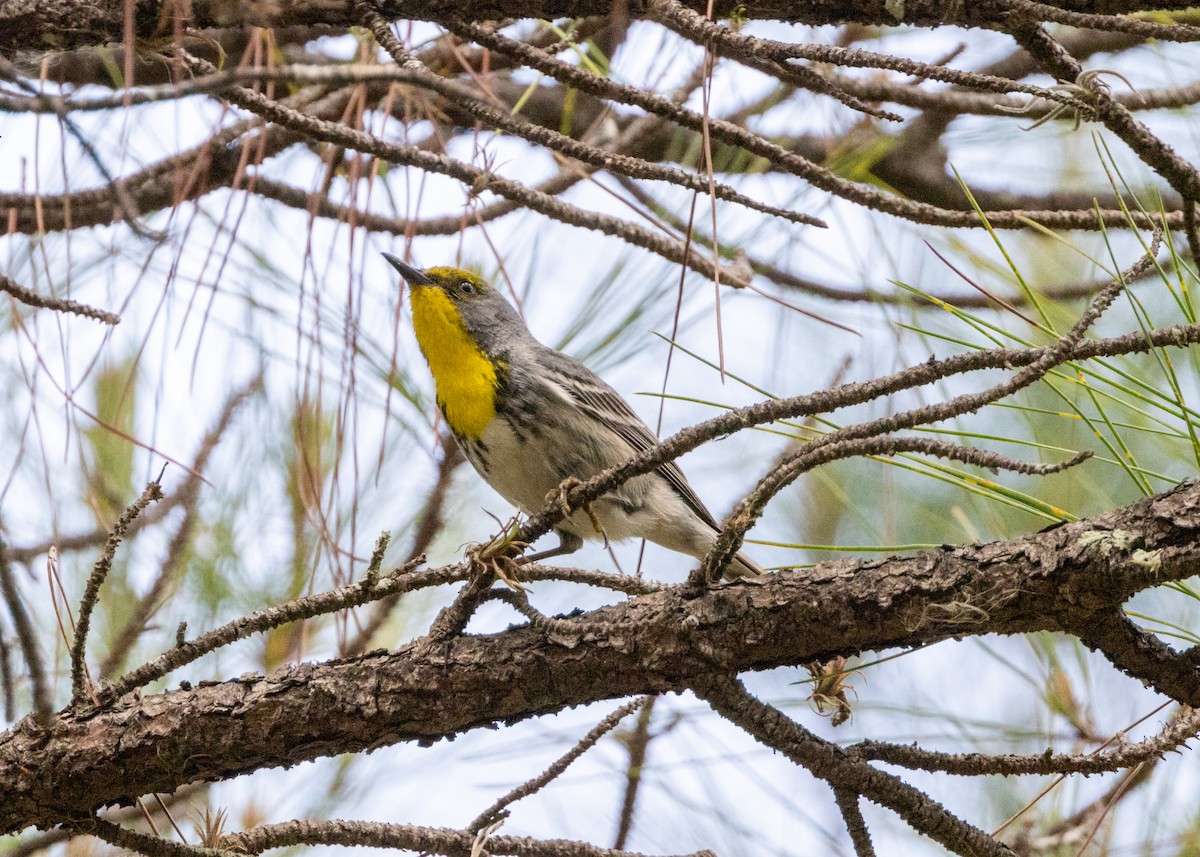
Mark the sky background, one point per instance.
(243, 286)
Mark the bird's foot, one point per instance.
(559, 496)
(497, 556)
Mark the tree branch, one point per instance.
(654, 643)
(72, 23)
(831, 763)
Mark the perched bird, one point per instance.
(529, 418)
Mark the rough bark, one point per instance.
(55, 24)
(1070, 578)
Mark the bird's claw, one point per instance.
(497, 557)
(559, 496)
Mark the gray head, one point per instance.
(488, 317)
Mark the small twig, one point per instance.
(451, 621)
(40, 688)
(813, 81)
(1190, 229)
(817, 452)
(319, 204)
(1174, 735)
(1074, 833)
(551, 625)
(430, 840)
(372, 576)
(1106, 23)
(962, 102)
(729, 698)
(497, 810)
(429, 524)
(402, 579)
(626, 583)
(847, 803)
(859, 438)
(32, 298)
(1140, 653)
(187, 495)
(92, 591)
(7, 687)
(692, 25)
(637, 744)
(142, 843)
(114, 186)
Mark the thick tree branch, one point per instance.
(1139, 653)
(33, 24)
(650, 644)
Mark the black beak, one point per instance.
(413, 276)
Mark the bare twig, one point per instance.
(402, 579)
(695, 26)
(430, 840)
(186, 495)
(91, 592)
(429, 524)
(142, 843)
(826, 449)
(637, 743)
(1110, 23)
(7, 685)
(856, 438)
(32, 298)
(39, 687)
(320, 205)
(1173, 736)
(825, 760)
(498, 809)
(847, 803)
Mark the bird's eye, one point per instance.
(466, 287)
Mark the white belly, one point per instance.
(524, 473)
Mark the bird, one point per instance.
(531, 419)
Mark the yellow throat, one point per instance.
(464, 376)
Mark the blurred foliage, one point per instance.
(342, 443)
(110, 468)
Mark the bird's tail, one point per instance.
(742, 566)
(698, 541)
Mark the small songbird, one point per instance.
(529, 418)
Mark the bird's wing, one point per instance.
(600, 401)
